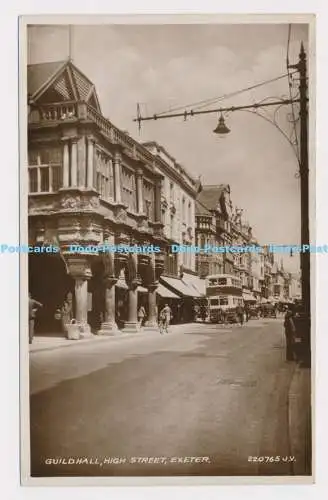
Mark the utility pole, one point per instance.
(304, 187)
(304, 177)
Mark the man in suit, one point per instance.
(290, 332)
(33, 306)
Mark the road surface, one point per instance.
(202, 400)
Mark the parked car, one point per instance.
(253, 312)
(268, 311)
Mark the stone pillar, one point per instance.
(81, 305)
(151, 322)
(74, 163)
(131, 325)
(109, 326)
(90, 163)
(66, 165)
(80, 272)
(117, 177)
(158, 193)
(140, 191)
(82, 162)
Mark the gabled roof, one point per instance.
(40, 74)
(210, 195)
(60, 81)
(200, 209)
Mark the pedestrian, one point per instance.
(240, 314)
(290, 331)
(66, 315)
(221, 316)
(203, 313)
(247, 312)
(165, 318)
(141, 315)
(33, 306)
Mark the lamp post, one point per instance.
(303, 161)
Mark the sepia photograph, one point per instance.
(167, 194)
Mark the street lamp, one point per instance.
(221, 127)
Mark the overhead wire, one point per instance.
(213, 100)
(290, 89)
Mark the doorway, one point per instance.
(49, 283)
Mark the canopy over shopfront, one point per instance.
(177, 286)
(249, 297)
(194, 283)
(165, 293)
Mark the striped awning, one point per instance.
(165, 292)
(248, 297)
(178, 286)
(196, 284)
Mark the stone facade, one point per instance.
(90, 184)
(178, 195)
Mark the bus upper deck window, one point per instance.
(222, 281)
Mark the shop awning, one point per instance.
(178, 286)
(249, 297)
(142, 289)
(196, 284)
(165, 292)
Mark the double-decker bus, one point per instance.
(224, 293)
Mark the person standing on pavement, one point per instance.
(33, 306)
(165, 318)
(240, 314)
(290, 331)
(66, 315)
(247, 313)
(141, 315)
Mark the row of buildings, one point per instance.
(89, 183)
(219, 223)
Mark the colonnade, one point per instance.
(80, 271)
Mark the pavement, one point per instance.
(56, 341)
(151, 404)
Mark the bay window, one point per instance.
(129, 191)
(149, 199)
(45, 169)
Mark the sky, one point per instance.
(170, 65)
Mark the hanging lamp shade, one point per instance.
(221, 127)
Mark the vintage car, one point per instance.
(229, 315)
(268, 311)
(253, 312)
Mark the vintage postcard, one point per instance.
(167, 236)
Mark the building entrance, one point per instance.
(49, 284)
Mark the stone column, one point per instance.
(90, 163)
(140, 191)
(117, 177)
(74, 163)
(66, 165)
(151, 323)
(109, 326)
(81, 305)
(131, 325)
(158, 192)
(82, 162)
(81, 273)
